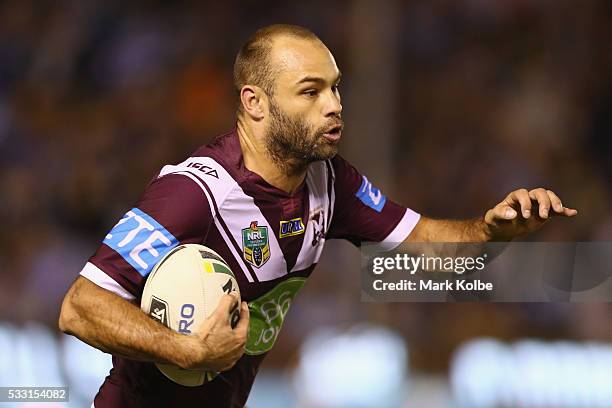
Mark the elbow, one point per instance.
(66, 317)
(68, 314)
(63, 325)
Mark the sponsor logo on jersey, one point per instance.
(255, 244)
(317, 220)
(267, 314)
(209, 171)
(159, 310)
(140, 240)
(370, 195)
(290, 228)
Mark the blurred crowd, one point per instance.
(492, 95)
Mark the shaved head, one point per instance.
(254, 65)
(287, 82)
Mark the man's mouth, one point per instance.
(333, 133)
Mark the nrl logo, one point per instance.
(255, 244)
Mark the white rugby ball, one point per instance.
(181, 291)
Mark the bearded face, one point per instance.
(293, 142)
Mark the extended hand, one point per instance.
(216, 345)
(505, 223)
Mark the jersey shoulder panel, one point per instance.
(362, 212)
(210, 175)
(171, 211)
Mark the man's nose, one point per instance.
(333, 107)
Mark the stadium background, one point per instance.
(449, 105)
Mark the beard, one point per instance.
(293, 144)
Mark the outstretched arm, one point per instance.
(519, 214)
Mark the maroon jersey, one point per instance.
(272, 240)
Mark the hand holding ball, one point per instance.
(185, 292)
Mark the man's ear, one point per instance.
(254, 101)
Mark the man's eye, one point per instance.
(335, 88)
(310, 92)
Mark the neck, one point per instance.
(284, 174)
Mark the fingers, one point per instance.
(569, 212)
(503, 211)
(540, 195)
(555, 201)
(522, 198)
(240, 333)
(558, 206)
(545, 199)
(243, 324)
(226, 305)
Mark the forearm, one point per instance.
(431, 238)
(113, 325)
(429, 230)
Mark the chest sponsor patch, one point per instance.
(290, 228)
(370, 195)
(267, 315)
(140, 240)
(256, 244)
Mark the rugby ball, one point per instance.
(182, 290)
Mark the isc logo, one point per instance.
(187, 312)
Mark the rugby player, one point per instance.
(276, 173)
